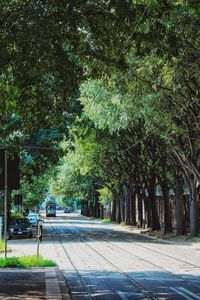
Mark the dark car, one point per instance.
(20, 228)
(66, 210)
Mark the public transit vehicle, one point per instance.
(51, 208)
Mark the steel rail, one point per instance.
(148, 248)
(145, 260)
(146, 293)
(78, 275)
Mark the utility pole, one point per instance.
(5, 201)
(5, 184)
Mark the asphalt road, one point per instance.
(109, 262)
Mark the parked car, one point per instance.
(34, 219)
(66, 210)
(20, 227)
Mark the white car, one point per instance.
(34, 219)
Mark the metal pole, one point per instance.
(5, 202)
(38, 238)
(1, 228)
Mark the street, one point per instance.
(101, 261)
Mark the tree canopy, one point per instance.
(118, 82)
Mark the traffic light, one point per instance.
(13, 173)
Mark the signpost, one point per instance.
(39, 237)
(9, 179)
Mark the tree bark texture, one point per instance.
(167, 210)
(180, 206)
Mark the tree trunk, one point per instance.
(127, 210)
(180, 206)
(167, 211)
(122, 214)
(87, 209)
(96, 204)
(118, 211)
(132, 208)
(139, 207)
(102, 212)
(148, 212)
(90, 208)
(193, 207)
(113, 213)
(154, 218)
(198, 209)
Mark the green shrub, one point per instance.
(1, 245)
(106, 220)
(17, 215)
(11, 262)
(33, 261)
(26, 262)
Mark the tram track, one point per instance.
(89, 234)
(107, 260)
(141, 246)
(83, 283)
(145, 260)
(144, 292)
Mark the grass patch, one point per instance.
(11, 262)
(173, 236)
(26, 262)
(1, 245)
(122, 224)
(32, 261)
(193, 239)
(106, 221)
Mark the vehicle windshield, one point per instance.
(32, 219)
(22, 222)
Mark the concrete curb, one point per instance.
(49, 282)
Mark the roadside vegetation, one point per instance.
(103, 106)
(26, 262)
(1, 245)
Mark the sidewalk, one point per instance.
(33, 283)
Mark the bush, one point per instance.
(26, 262)
(32, 261)
(17, 215)
(11, 262)
(1, 245)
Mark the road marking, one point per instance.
(185, 293)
